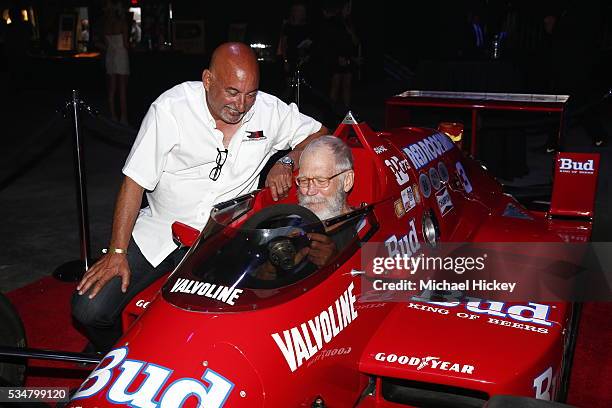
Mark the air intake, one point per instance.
(426, 395)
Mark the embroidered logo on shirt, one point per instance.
(255, 136)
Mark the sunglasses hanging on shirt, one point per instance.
(220, 160)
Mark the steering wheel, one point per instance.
(282, 250)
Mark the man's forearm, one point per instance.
(126, 211)
(297, 150)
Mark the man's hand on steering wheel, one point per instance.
(107, 267)
(279, 180)
(321, 249)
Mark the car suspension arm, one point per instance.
(19, 352)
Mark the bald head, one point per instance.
(231, 82)
(236, 55)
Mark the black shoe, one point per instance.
(90, 349)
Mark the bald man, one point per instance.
(200, 143)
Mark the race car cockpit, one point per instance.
(246, 266)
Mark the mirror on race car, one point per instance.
(183, 234)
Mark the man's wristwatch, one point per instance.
(287, 161)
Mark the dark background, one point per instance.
(418, 45)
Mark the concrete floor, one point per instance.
(39, 228)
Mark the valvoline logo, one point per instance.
(211, 390)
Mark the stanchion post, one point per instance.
(74, 270)
(80, 184)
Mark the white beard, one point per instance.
(327, 207)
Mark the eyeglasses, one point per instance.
(220, 160)
(319, 182)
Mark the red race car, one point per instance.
(244, 322)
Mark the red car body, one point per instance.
(318, 341)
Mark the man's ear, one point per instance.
(206, 77)
(349, 180)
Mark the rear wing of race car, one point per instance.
(574, 185)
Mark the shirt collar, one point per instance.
(249, 115)
(207, 115)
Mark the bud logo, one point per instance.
(444, 202)
(536, 313)
(428, 149)
(430, 362)
(573, 167)
(405, 246)
(544, 385)
(399, 169)
(213, 393)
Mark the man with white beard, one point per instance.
(325, 178)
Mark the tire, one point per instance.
(12, 334)
(568, 356)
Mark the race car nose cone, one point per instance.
(171, 364)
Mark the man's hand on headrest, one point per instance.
(280, 179)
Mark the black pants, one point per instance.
(101, 316)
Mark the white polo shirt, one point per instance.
(176, 149)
